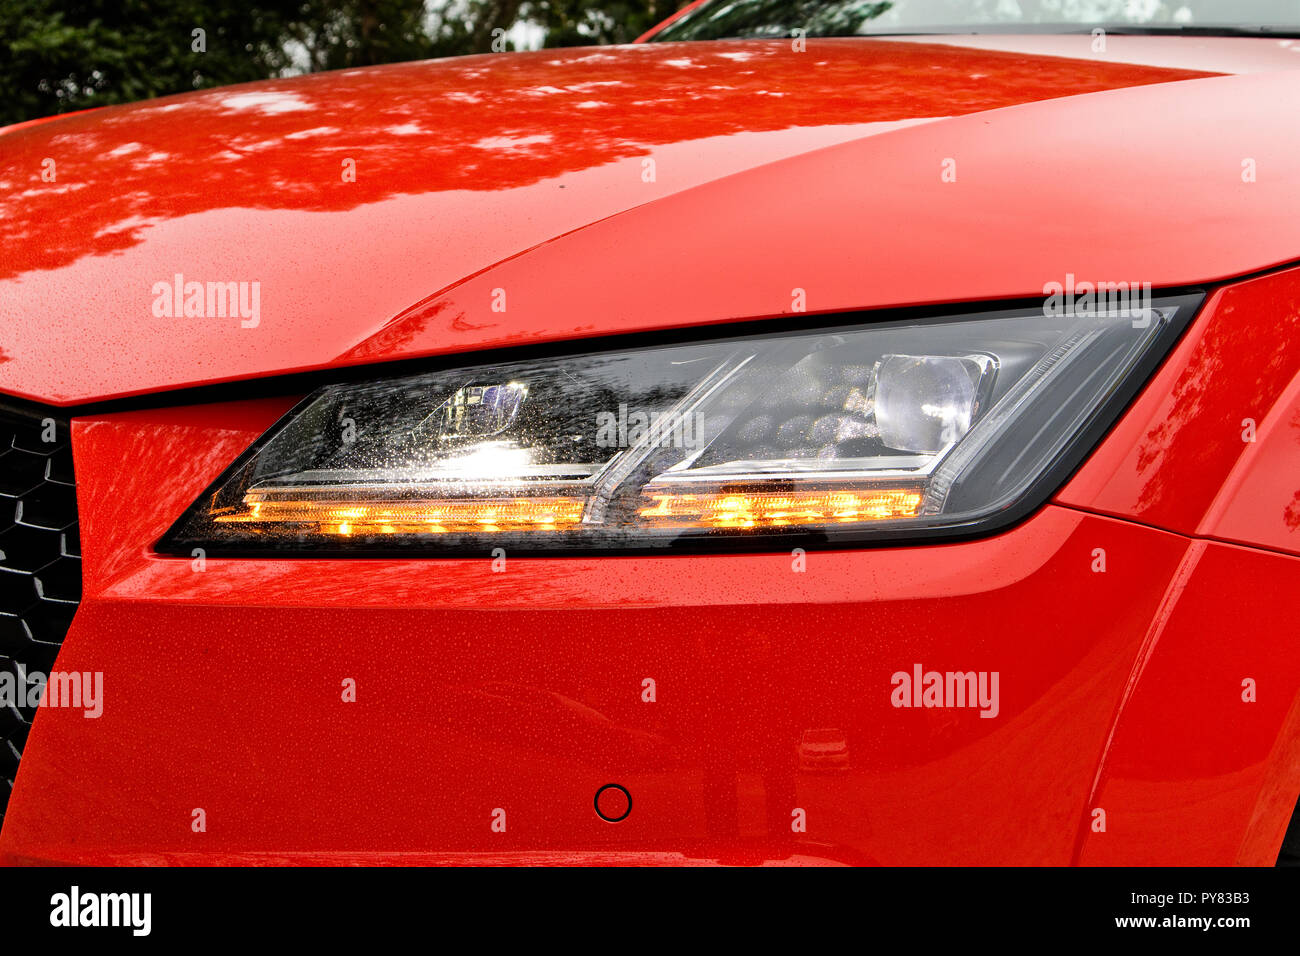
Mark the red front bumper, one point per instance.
(491, 704)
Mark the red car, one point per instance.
(530, 457)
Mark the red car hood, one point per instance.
(380, 210)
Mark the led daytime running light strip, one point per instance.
(343, 517)
(780, 508)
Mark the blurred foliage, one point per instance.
(62, 55)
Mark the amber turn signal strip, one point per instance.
(411, 517)
(703, 510)
(780, 509)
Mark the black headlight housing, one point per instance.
(868, 428)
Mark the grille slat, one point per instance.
(40, 562)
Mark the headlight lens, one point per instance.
(892, 429)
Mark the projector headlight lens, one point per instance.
(906, 428)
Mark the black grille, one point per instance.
(40, 563)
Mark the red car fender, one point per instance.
(1210, 448)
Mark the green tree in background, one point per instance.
(62, 55)
(583, 22)
(74, 55)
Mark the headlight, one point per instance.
(882, 430)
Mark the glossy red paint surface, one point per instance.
(1194, 772)
(1212, 447)
(465, 163)
(522, 690)
(910, 242)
